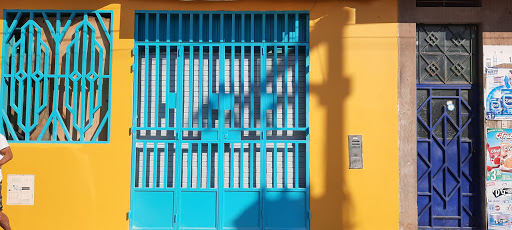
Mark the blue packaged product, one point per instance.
(495, 106)
(506, 100)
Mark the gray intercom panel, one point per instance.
(355, 151)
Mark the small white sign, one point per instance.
(20, 189)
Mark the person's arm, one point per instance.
(7, 153)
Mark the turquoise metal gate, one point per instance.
(221, 126)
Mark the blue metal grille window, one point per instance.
(221, 121)
(56, 76)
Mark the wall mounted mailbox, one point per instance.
(355, 150)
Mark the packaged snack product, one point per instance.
(506, 156)
(494, 155)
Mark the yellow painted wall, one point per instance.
(353, 81)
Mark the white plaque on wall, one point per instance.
(20, 189)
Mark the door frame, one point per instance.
(407, 114)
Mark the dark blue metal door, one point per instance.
(448, 166)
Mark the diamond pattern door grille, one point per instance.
(445, 54)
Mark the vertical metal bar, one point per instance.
(146, 84)
(459, 158)
(263, 148)
(57, 71)
(274, 166)
(178, 184)
(297, 33)
(243, 28)
(109, 72)
(20, 87)
(180, 28)
(83, 80)
(157, 85)
(135, 95)
(155, 164)
(134, 162)
(263, 68)
(430, 109)
(241, 165)
(286, 35)
(263, 17)
(92, 67)
(232, 27)
(222, 58)
(29, 64)
(191, 32)
(231, 165)
(191, 88)
(199, 165)
(157, 27)
(201, 28)
(179, 120)
(430, 144)
(189, 165)
(144, 165)
(4, 64)
(275, 27)
(459, 117)
(285, 166)
(200, 86)
(296, 161)
(252, 125)
(242, 86)
(168, 28)
(232, 87)
(209, 165)
(274, 90)
(75, 84)
(252, 27)
(251, 163)
(445, 142)
(168, 85)
(221, 27)
(307, 88)
(307, 28)
(307, 125)
(285, 87)
(166, 165)
(210, 28)
(296, 91)
(210, 81)
(146, 28)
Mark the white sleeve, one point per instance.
(3, 142)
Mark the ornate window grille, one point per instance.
(56, 76)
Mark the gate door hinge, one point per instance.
(134, 58)
(175, 218)
(130, 215)
(309, 215)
